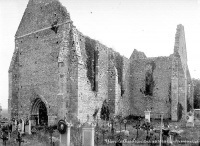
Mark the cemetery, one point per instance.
(114, 131)
(66, 89)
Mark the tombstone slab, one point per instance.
(190, 119)
(147, 115)
(88, 134)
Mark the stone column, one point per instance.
(65, 138)
(15, 125)
(147, 115)
(68, 134)
(29, 127)
(22, 126)
(88, 134)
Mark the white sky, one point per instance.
(147, 25)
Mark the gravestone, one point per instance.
(88, 134)
(52, 120)
(190, 119)
(26, 128)
(147, 115)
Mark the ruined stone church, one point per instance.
(57, 72)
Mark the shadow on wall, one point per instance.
(180, 109)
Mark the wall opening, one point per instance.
(39, 112)
(149, 81)
(43, 118)
(54, 27)
(149, 84)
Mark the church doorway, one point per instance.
(39, 112)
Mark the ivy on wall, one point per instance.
(92, 61)
(105, 113)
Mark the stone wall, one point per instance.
(39, 69)
(73, 74)
(86, 97)
(38, 41)
(180, 77)
(103, 75)
(14, 84)
(140, 99)
(180, 46)
(174, 89)
(112, 86)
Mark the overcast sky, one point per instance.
(146, 25)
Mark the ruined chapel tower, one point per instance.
(160, 84)
(181, 84)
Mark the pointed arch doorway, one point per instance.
(39, 112)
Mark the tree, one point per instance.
(105, 113)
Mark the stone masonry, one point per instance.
(160, 84)
(71, 74)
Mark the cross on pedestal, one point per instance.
(137, 126)
(112, 127)
(103, 132)
(147, 126)
(4, 138)
(50, 131)
(125, 121)
(19, 139)
(161, 123)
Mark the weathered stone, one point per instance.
(160, 84)
(58, 73)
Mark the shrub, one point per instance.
(105, 113)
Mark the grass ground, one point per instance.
(40, 139)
